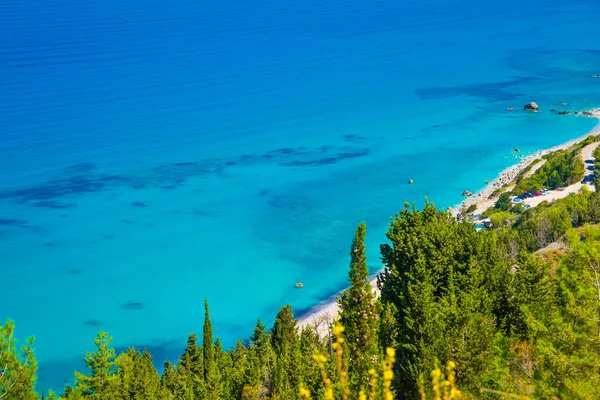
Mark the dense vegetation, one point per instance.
(514, 316)
(561, 168)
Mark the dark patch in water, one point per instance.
(92, 322)
(13, 222)
(355, 138)
(55, 188)
(201, 213)
(160, 350)
(284, 150)
(53, 204)
(327, 160)
(49, 244)
(185, 164)
(263, 193)
(230, 163)
(127, 221)
(133, 305)
(138, 204)
(493, 91)
(74, 271)
(79, 168)
(109, 236)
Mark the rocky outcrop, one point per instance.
(467, 193)
(532, 106)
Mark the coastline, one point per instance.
(507, 175)
(321, 315)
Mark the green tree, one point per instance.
(503, 203)
(17, 368)
(138, 378)
(211, 376)
(101, 383)
(440, 276)
(285, 343)
(359, 311)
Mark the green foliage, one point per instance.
(17, 368)
(359, 315)
(102, 381)
(471, 208)
(436, 275)
(137, 378)
(504, 202)
(562, 168)
(516, 315)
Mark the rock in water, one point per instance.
(467, 193)
(410, 181)
(531, 106)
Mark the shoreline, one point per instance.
(507, 175)
(322, 314)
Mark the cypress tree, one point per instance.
(359, 316)
(284, 339)
(207, 343)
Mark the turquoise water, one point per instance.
(153, 153)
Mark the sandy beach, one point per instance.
(320, 316)
(482, 197)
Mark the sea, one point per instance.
(157, 153)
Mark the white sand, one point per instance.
(481, 198)
(321, 316)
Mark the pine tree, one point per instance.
(138, 378)
(359, 315)
(101, 382)
(17, 368)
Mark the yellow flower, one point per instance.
(388, 375)
(362, 395)
(329, 394)
(390, 352)
(337, 330)
(371, 371)
(304, 393)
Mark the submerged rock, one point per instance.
(531, 106)
(410, 181)
(467, 193)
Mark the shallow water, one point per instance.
(153, 153)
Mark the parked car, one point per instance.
(536, 194)
(527, 206)
(517, 200)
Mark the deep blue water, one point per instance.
(154, 153)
